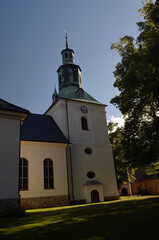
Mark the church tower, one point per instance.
(81, 118)
(69, 72)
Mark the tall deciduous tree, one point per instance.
(137, 78)
(123, 172)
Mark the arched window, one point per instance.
(84, 123)
(70, 55)
(66, 55)
(23, 174)
(48, 174)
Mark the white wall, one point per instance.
(96, 121)
(9, 158)
(101, 160)
(58, 112)
(35, 153)
(97, 133)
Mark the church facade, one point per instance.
(65, 154)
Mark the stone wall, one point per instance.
(110, 198)
(44, 202)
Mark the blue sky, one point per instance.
(32, 38)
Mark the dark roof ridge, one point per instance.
(7, 106)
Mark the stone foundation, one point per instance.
(54, 201)
(44, 202)
(110, 198)
(9, 203)
(76, 202)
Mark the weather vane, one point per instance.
(66, 38)
(65, 34)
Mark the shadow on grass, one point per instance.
(135, 219)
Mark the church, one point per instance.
(61, 157)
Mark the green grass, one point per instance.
(137, 218)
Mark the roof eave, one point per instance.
(13, 114)
(67, 49)
(59, 98)
(69, 64)
(43, 141)
(82, 100)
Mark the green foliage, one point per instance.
(137, 78)
(152, 169)
(123, 172)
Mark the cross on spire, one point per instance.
(66, 39)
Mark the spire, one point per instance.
(55, 95)
(66, 39)
(55, 92)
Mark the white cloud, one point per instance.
(119, 120)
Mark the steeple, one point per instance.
(68, 73)
(67, 53)
(55, 95)
(66, 39)
(69, 79)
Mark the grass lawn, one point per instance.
(137, 218)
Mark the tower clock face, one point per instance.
(84, 109)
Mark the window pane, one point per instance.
(50, 163)
(23, 174)
(45, 172)
(45, 163)
(25, 184)
(84, 123)
(48, 174)
(51, 183)
(25, 162)
(91, 174)
(46, 183)
(88, 150)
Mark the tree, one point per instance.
(123, 172)
(137, 79)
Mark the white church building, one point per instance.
(61, 157)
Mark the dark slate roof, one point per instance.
(11, 107)
(41, 128)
